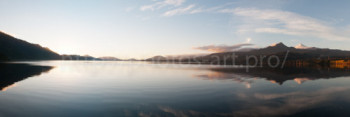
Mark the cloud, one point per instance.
(248, 40)
(203, 9)
(178, 11)
(261, 20)
(175, 6)
(222, 48)
(159, 5)
(284, 22)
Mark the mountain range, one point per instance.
(294, 53)
(12, 48)
(299, 52)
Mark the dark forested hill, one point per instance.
(12, 48)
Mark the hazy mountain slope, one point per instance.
(157, 58)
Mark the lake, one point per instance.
(142, 89)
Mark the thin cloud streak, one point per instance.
(222, 48)
(159, 5)
(178, 11)
(194, 10)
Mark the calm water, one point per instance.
(139, 89)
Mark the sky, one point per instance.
(145, 28)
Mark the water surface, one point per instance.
(140, 89)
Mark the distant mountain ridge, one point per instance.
(280, 50)
(12, 48)
(157, 58)
(312, 55)
(109, 58)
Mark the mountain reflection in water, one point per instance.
(276, 75)
(12, 73)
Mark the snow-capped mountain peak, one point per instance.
(302, 46)
(280, 44)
